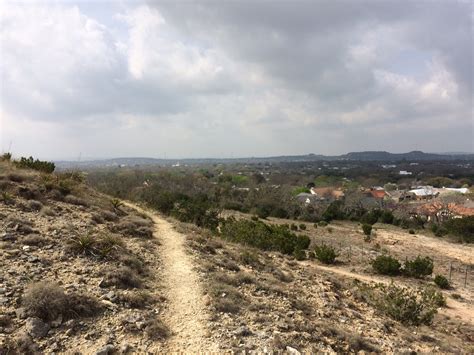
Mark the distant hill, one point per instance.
(352, 156)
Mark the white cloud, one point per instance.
(241, 78)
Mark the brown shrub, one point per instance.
(156, 329)
(74, 200)
(140, 299)
(45, 300)
(33, 239)
(123, 278)
(34, 205)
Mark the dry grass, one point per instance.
(156, 330)
(137, 299)
(48, 301)
(123, 277)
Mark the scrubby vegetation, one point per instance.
(263, 236)
(442, 282)
(325, 253)
(386, 265)
(48, 301)
(419, 267)
(35, 164)
(411, 307)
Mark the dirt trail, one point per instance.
(454, 309)
(186, 315)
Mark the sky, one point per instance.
(189, 79)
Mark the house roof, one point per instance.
(378, 193)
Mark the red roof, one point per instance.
(378, 193)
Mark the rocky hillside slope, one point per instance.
(77, 269)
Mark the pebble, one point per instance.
(106, 350)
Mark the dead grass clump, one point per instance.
(282, 276)
(29, 193)
(18, 345)
(133, 262)
(227, 264)
(227, 299)
(357, 343)
(108, 216)
(74, 200)
(34, 205)
(134, 230)
(139, 221)
(17, 177)
(82, 305)
(33, 239)
(123, 278)
(156, 329)
(301, 305)
(249, 257)
(22, 226)
(226, 306)
(5, 321)
(139, 299)
(97, 218)
(45, 300)
(48, 211)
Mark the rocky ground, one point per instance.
(266, 300)
(77, 270)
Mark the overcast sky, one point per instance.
(235, 78)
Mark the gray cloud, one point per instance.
(242, 78)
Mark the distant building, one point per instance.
(404, 172)
(329, 193)
(462, 190)
(425, 192)
(307, 198)
(388, 166)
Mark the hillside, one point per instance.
(80, 272)
(90, 273)
(353, 156)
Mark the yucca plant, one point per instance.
(82, 244)
(116, 203)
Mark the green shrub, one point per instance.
(462, 228)
(387, 217)
(302, 226)
(411, 231)
(371, 217)
(386, 265)
(322, 223)
(411, 307)
(419, 268)
(299, 254)
(6, 157)
(442, 282)
(263, 236)
(30, 163)
(367, 229)
(293, 227)
(326, 254)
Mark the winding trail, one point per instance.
(186, 315)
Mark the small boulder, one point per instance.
(36, 327)
(106, 350)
